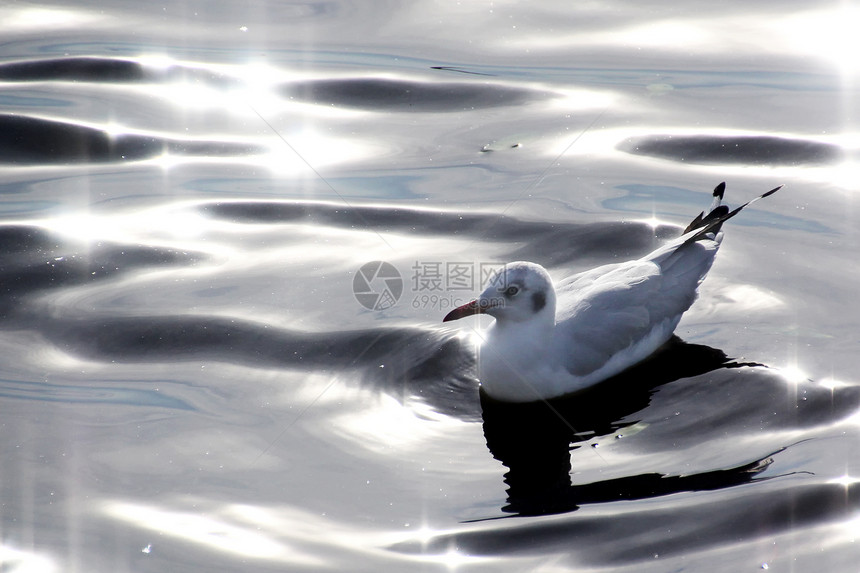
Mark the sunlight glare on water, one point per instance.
(19, 561)
(826, 34)
(391, 428)
(164, 225)
(232, 530)
(29, 18)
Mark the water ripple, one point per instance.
(734, 149)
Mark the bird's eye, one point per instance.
(512, 290)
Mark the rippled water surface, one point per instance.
(202, 372)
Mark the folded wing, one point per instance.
(610, 310)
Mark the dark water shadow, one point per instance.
(80, 69)
(534, 440)
(381, 94)
(536, 448)
(621, 540)
(550, 243)
(434, 366)
(34, 141)
(33, 259)
(406, 363)
(97, 69)
(734, 149)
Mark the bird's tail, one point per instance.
(706, 226)
(717, 209)
(709, 225)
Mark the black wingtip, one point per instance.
(772, 191)
(712, 222)
(703, 220)
(695, 223)
(719, 190)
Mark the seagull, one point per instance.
(551, 340)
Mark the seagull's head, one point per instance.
(519, 292)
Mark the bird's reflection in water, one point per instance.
(534, 440)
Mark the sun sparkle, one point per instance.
(793, 374)
(652, 222)
(845, 480)
(832, 383)
(453, 559)
(156, 61)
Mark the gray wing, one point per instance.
(606, 310)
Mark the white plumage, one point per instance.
(553, 340)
